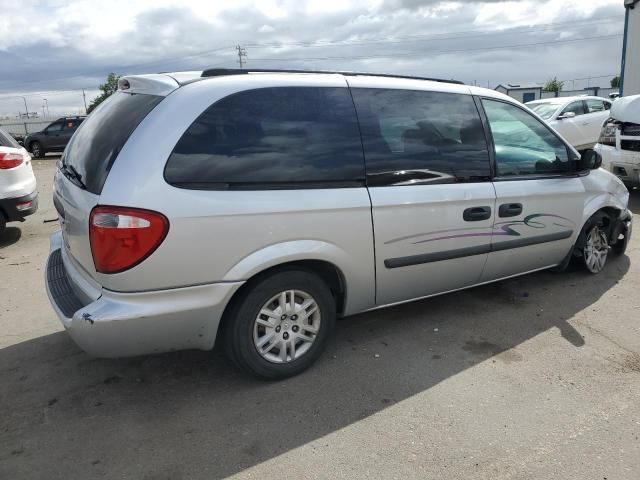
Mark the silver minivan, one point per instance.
(252, 208)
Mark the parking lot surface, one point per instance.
(535, 377)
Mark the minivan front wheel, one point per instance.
(281, 324)
(595, 244)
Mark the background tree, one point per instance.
(108, 88)
(615, 81)
(554, 85)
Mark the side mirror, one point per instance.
(567, 115)
(589, 160)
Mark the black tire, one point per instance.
(36, 149)
(597, 225)
(240, 321)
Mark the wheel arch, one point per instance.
(609, 213)
(327, 271)
(358, 280)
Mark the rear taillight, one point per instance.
(11, 160)
(608, 134)
(123, 237)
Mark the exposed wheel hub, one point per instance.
(596, 249)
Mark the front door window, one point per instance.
(523, 144)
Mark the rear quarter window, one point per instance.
(99, 139)
(282, 137)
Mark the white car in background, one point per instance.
(619, 143)
(578, 119)
(18, 193)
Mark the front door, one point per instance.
(428, 174)
(539, 201)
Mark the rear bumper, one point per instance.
(16, 208)
(622, 163)
(119, 324)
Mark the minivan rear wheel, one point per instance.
(281, 324)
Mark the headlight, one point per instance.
(608, 133)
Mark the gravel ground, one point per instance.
(532, 378)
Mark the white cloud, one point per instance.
(58, 44)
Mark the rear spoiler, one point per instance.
(161, 84)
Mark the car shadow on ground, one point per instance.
(185, 414)
(9, 236)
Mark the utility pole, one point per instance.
(84, 99)
(242, 52)
(26, 109)
(46, 102)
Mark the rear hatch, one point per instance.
(85, 165)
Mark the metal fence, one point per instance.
(598, 92)
(21, 128)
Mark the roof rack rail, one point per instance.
(218, 72)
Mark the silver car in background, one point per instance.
(254, 207)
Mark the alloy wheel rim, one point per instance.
(36, 150)
(286, 326)
(596, 249)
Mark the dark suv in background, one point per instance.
(54, 137)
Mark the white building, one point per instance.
(522, 93)
(630, 79)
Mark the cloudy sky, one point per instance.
(54, 48)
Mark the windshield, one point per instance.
(545, 110)
(98, 140)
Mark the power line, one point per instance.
(371, 40)
(394, 40)
(436, 52)
(415, 38)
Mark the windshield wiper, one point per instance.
(72, 174)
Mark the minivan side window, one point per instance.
(523, 144)
(412, 136)
(280, 137)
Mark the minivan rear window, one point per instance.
(272, 138)
(98, 140)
